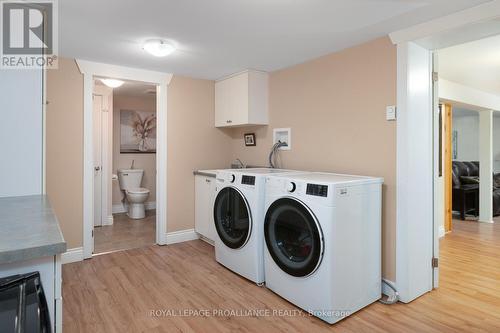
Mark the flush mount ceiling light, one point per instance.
(158, 47)
(112, 83)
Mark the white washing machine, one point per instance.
(323, 241)
(238, 217)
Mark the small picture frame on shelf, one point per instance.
(249, 139)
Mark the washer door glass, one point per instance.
(232, 218)
(293, 237)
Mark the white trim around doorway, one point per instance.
(416, 233)
(161, 80)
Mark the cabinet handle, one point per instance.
(229, 121)
(208, 180)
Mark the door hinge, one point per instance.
(435, 76)
(435, 262)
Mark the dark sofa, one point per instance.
(466, 192)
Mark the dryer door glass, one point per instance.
(232, 218)
(293, 237)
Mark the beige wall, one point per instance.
(141, 161)
(193, 144)
(335, 106)
(64, 157)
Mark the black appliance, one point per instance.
(23, 306)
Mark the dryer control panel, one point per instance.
(317, 190)
(248, 180)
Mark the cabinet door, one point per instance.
(222, 95)
(204, 195)
(231, 101)
(238, 100)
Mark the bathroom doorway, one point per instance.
(91, 71)
(124, 147)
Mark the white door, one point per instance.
(97, 132)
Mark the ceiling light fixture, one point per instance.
(158, 47)
(112, 83)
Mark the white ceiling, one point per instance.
(219, 37)
(475, 64)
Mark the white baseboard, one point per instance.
(441, 231)
(181, 236)
(386, 290)
(122, 208)
(72, 255)
(108, 221)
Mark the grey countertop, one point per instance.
(212, 173)
(206, 173)
(28, 229)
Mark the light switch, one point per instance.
(390, 112)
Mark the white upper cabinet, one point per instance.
(242, 99)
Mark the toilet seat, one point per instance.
(140, 190)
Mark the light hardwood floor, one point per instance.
(116, 292)
(125, 233)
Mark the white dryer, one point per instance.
(323, 242)
(238, 217)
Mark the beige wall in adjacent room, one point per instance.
(335, 106)
(193, 144)
(147, 162)
(64, 158)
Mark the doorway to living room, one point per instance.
(420, 196)
(469, 96)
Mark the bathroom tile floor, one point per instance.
(125, 233)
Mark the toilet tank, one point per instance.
(130, 178)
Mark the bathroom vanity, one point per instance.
(30, 241)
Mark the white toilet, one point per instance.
(130, 183)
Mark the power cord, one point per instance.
(392, 299)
